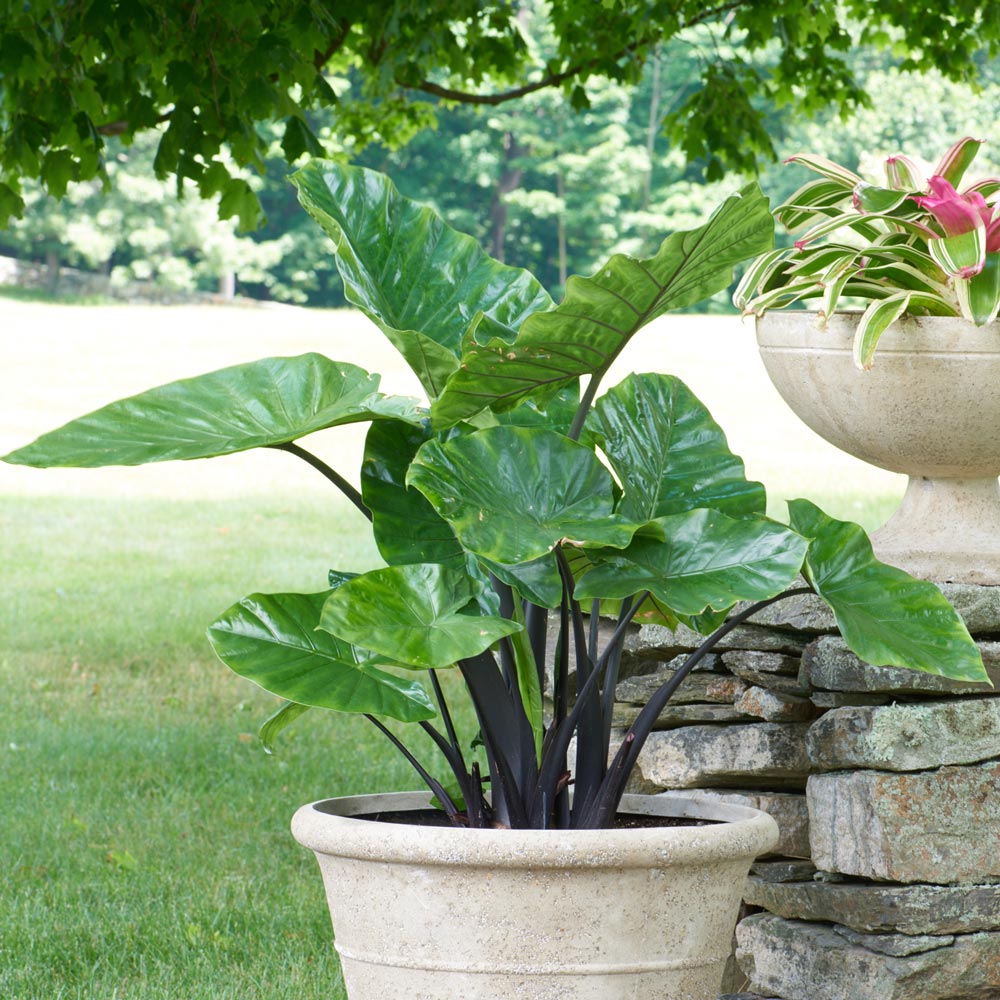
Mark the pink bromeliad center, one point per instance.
(960, 213)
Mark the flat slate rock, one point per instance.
(659, 642)
(838, 699)
(771, 754)
(904, 737)
(806, 961)
(779, 683)
(787, 809)
(639, 666)
(762, 662)
(803, 612)
(674, 716)
(774, 706)
(784, 871)
(827, 663)
(898, 945)
(940, 827)
(876, 907)
(978, 606)
(722, 689)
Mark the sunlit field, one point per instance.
(144, 831)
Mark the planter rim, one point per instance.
(329, 827)
(804, 328)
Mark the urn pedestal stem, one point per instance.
(945, 528)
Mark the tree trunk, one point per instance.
(227, 285)
(652, 130)
(561, 227)
(510, 179)
(53, 270)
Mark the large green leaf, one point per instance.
(407, 528)
(537, 581)
(703, 561)
(887, 617)
(413, 615)
(557, 414)
(273, 640)
(599, 315)
(267, 402)
(511, 494)
(286, 714)
(668, 453)
(421, 282)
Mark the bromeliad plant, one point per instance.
(495, 513)
(913, 245)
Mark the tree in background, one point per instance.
(140, 231)
(209, 73)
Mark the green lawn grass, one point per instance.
(144, 831)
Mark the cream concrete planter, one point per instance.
(929, 408)
(433, 913)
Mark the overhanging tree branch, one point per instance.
(549, 80)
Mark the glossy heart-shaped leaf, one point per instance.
(599, 315)
(273, 640)
(511, 494)
(557, 413)
(668, 453)
(537, 581)
(704, 561)
(407, 528)
(286, 714)
(421, 282)
(886, 616)
(268, 402)
(414, 615)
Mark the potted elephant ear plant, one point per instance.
(512, 511)
(898, 360)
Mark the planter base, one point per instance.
(591, 983)
(946, 530)
(431, 913)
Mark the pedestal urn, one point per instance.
(929, 407)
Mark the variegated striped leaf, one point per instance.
(806, 206)
(986, 188)
(979, 296)
(756, 275)
(870, 198)
(778, 298)
(866, 225)
(821, 165)
(834, 282)
(875, 320)
(956, 161)
(902, 276)
(892, 248)
(822, 259)
(902, 174)
(961, 256)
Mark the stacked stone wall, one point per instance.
(885, 784)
